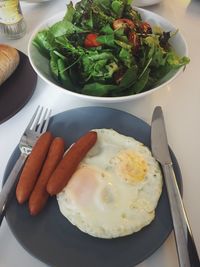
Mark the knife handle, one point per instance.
(9, 185)
(187, 252)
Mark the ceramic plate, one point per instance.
(55, 241)
(17, 89)
(142, 3)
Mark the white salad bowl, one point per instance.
(41, 64)
(142, 3)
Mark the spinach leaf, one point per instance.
(98, 89)
(65, 44)
(70, 12)
(54, 65)
(156, 53)
(163, 74)
(129, 77)
(117, 7)
(64, 76)
(76, 79)
(141, 83)
(107, 39)
(89, 21)
(45, 42)
(64, 27)
(107, 29)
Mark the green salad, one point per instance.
(104, 48)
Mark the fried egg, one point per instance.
(115, 189)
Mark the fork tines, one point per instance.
(40, 120)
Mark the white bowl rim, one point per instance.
(107, 99)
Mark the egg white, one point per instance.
(115, 189)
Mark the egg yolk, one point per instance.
(131, 166)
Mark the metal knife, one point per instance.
(186, 249)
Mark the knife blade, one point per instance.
(186, 248)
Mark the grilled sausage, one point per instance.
(32, 167)
(39, 196)
(69, 163)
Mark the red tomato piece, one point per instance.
(91, 40)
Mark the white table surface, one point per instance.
(180, 102)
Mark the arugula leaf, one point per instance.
(98, 66)
(132, 14)
(164, 40)
(175, 61)
(104, 4)
(100, 18)
(123, 44)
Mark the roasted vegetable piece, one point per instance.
(123, 23)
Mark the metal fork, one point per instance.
(37, 125)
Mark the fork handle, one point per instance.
(10, 183)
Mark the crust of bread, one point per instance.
(9, 60)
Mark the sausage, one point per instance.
(69, 163)
(32, 167)
(39, 195)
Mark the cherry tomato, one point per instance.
(145, 27)
(91, 40)
(120, 23)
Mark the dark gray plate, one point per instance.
(55, 241)
(16, 91)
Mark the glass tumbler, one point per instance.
(12, 24)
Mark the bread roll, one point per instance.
(9, 60)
